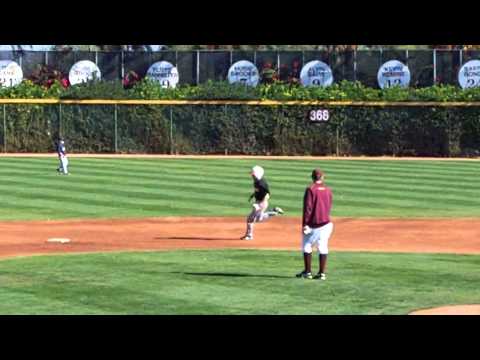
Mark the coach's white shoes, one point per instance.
(304, 275)
(320, 276)
(247, 237)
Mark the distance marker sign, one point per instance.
(319, 115)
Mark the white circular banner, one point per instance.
(316, 73)
(165, 73)
(243, 72)
(11, 73)
(393, 73)
(83, 71)
(469, 74)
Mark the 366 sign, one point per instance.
(319, 115)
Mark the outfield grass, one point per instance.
(234, 282)
(103, 188)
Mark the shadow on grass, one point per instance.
(219, 274)
(197, 238)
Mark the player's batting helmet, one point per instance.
(258, 172)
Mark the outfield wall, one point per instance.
(242, 128)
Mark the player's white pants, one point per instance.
(318, 237)
(64, 164)
(258, 214)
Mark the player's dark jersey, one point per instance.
(261, 189)
(61, 150)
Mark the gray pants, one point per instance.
(63, 164)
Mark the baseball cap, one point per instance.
(317, 174)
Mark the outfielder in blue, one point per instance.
(62, 156)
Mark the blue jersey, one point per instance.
(61, 150)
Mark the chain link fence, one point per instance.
(427, 67)
(242, 129)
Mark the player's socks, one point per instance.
(307, 259)
(249, 232)
(323, 263)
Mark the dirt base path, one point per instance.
(450, 310)
(460, 236)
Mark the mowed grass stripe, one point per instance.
(273, 169)
(391, 197)
(114, 198)
(113, 201)
(234, 171)
(274, 163)
(161, 188)
(224, 187)
(135, 187)
(442, 183)
(410, 188)
(282, 165)
(132, 185)
(282, 189)
(47, 209)
(278, 187)
(143, 200)
(63, 201)
(185, 282)
(366, 174)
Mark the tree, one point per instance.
(103, 47)
(471, 47)
(125, 47)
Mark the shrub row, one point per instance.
(148, 89)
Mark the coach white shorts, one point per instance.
(318, 237)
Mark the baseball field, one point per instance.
(160, 235)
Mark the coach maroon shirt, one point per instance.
(317, 203)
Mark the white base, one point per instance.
(58, 240)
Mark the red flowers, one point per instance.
(130, 79)
(46, 76)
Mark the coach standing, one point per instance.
(317, 228)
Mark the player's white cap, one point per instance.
(258, 172)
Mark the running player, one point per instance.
(261, 194)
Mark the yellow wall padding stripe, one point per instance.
(244, 102)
